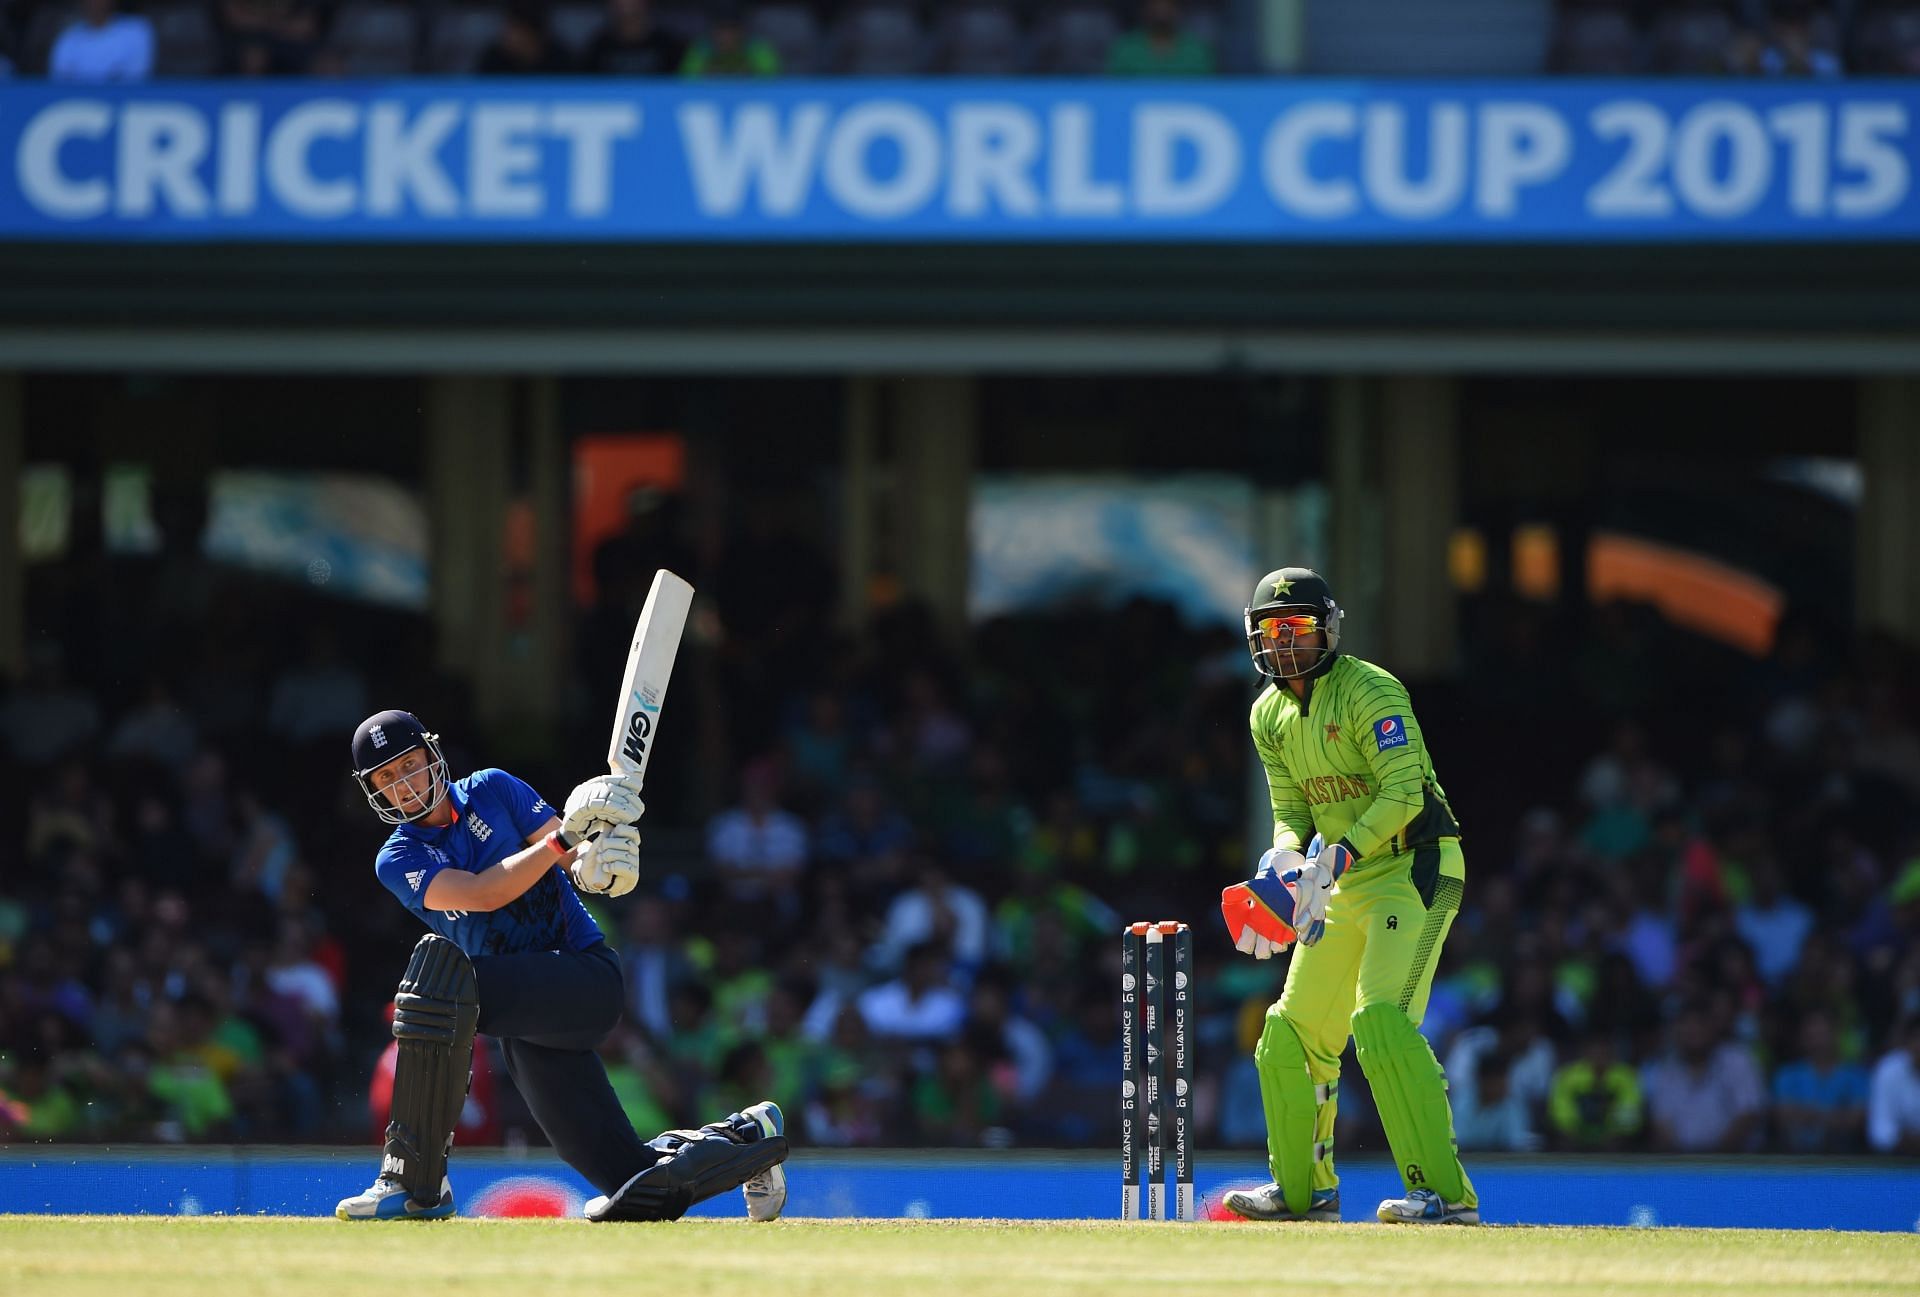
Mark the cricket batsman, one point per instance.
(482, 861)
(1369, 902)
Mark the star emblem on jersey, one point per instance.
(1282, 586)
(1333, 733)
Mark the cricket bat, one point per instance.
(656, 642)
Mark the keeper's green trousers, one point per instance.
(1369, 976)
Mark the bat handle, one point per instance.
(569, 841)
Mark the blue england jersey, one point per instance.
(494, 815)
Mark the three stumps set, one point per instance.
(1154, 1000)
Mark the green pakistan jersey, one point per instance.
(1349, 763)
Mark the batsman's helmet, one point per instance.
(384, 736)
(1286, 604)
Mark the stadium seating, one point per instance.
(1420, 38)
(688, 21)
(1886, 41)
(44, 25)
(460, 34)
(575, 25)
(983, 38)
(1076, 37)
(185, 42)
(1208, 26)
(1073, 38)
(794, 32)
(881, 38)
(375, 40)
(1692, 40)
(1596, 40)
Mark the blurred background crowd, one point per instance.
(1692, 919)
(132, 40)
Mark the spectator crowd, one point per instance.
(1692, 919)
(133, 40)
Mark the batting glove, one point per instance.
(1313, 887)
(1256, 911)
(604, 799)
(608, 865)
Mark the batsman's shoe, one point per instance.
(1269, 1203)
(691, 1166)
(766, 1193)
(1425, 1207)
(388, 1199)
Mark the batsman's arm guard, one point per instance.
(694, 1165)
(434, 1016)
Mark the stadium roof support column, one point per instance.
(937, 419)
(13, 594)
(1421, 470)
(909, 446)
(536, 628)
(1395, 469)
(1353, 471)
(468, 422)
(1888, 534)
(860, 473)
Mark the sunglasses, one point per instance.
(1288, 627)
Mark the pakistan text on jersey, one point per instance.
(1334, 788)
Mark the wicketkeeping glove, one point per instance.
(1257, 910)
(609, 865)
(1313, 887)
(604, 799)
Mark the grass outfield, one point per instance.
(120, 1256)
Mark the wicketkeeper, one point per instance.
(1369, 903)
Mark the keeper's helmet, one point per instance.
(384, 736)
(1286, 605)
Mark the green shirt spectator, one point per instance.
(44, 1110)
(628, 1074)
(794, 1060)
(728, 50)
(744, 1073)
(1596, 1102)
(55, 1115)
(700, 1041)
(957, 1101)
(193, 1094)
(753, 58)
(1159, 47)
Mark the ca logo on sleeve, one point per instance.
(1389, 732)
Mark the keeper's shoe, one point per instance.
(388, 1199)
(1425, 1207)
(1269, 1203)
(766, 1193)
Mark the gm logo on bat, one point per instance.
(638, 728)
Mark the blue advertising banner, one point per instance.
(1008, 1185)
(961, 161)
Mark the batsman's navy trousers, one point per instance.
(550, 1009)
